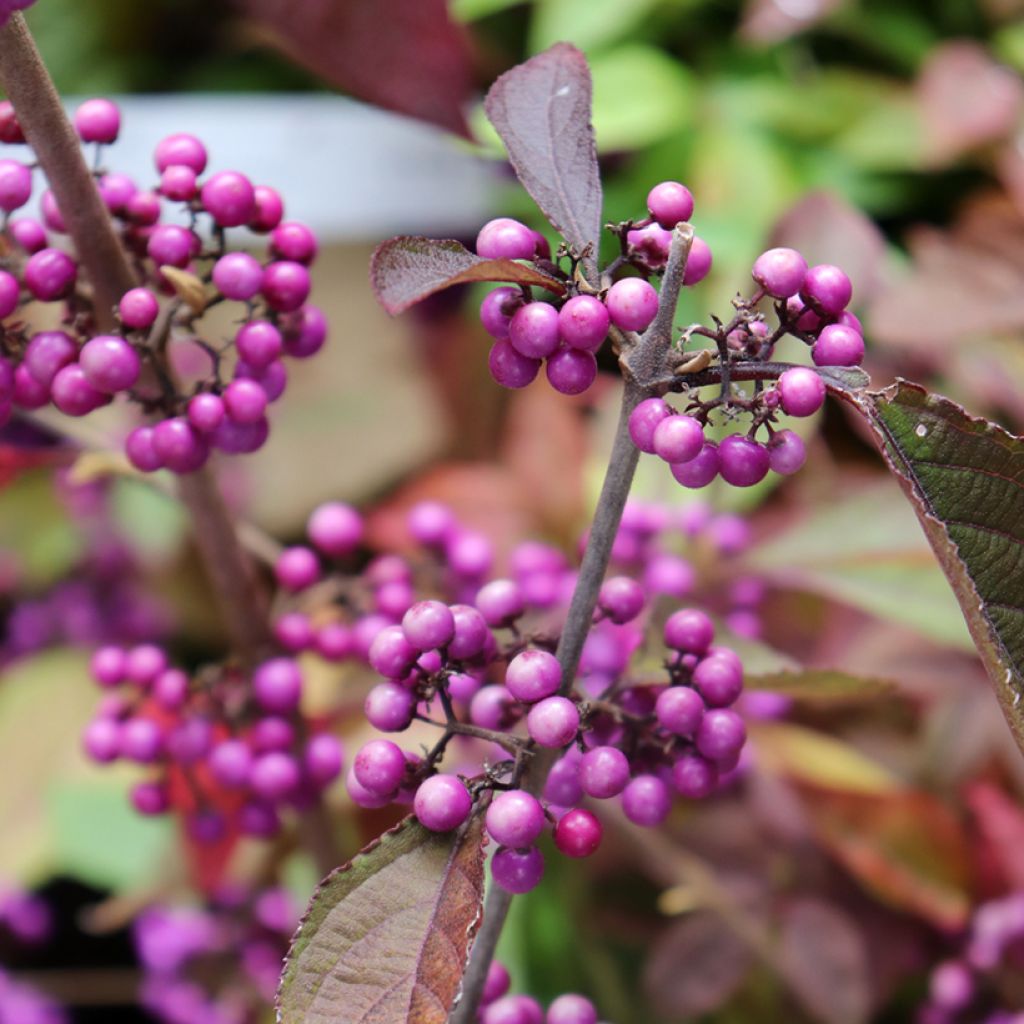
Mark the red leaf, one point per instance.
(406, 269)
(541, 110)
(405, 55)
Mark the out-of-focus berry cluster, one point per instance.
(497, 1006)
(174, 231)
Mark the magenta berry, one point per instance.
(428, 625)
(721, 735)
(578, 833)
(701, 469)
(698, 263)
(293, 241)
(379, 767)
(237, 275)
(172, 245)
(719, 679)
(180, 149)
(98, 120)
(179, 445)
(786, 452)
(268, 209)
(583, 322)
(509, 367)
(678, 438)
(801, 391)
(680, 710)
(646, 801)
(229, 198)
(72, 392)
(138, 309)
(46, 353)
(742, 461)
(206, 412)
(335, 528)
(621, 599)
(15, 185)
(389, 707)
(259, 343)
(274, 776)
(102, 740)
(694, 776)
(632, 304)
(277, 685)
(245, 401)
(497, 309)
(179, 183)
(533, 330)
(506, 239)
(669, 203)
(643, 421)
(827, 289)
(571, 371)
(652, 243)
(518, 871)
(500, 602)
(140, 450)
(442, 803)
(553, 722)
(515, 818)
(107, 665)
(533, 675)
(571, 1009)
(391, 654)
(780, 272)
(603, 772)
(322, 759)
(838, 345)
(28, 233)
(109, 363)
(689, 630)
(496, 983)
(230, 763)
(285, 285)
(50, 274)
(297, 568)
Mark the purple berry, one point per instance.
(117, 191)
(603, 772)
(801, 391)
(379, 767)
(46, 353)
(180, 149)
(719, 679)
(506, 239)
(297, 568)
(533, 675)
(621, 599)
(827, 289)
(15, 185)
(285, 285)
(513, 1010)
(491, 708)
(391, 654)
(138, 309)
(258, 342)
(109, 363)
(239, 438)
(701, 469)
(742, 461)
(644, 420)
(517, 871)
(230, 763)
(389, 707)
(442, 803)
(179, 446)
(780, 272)
(471, 636)
(571, 1009)
(107, 665)
(533, 330)
(102, 740)
(141, 452)
(553, 722)
(583, 322)
(170, 688)
(52, 216)
(838, 345)
(721, 735)
(172, 245)
(143, 209)
(669, 203)
(98, 120)
(179, 183)
(72, 392)
(509, 368)
(694, 776)
(632, 304)
(322, 759)
(562, 786)
(28, 233)
(50, 274)
(698, 263)
(268, 211)
(678, 438)
(496, 983)
(277, 685)
(500, 602)
(150, 798)
(578, 833)
(335, 528)
(646, 801)
(497, 310)
(206, 412)
(293, 241)
(786, 452)
(245, 401)
(305, 332)
(229, 198)
(515, 819)
(680, 710)
(141, 740)
(689, 630)
(571, 371)
(428, 625)
(237, 275)
(274, 776)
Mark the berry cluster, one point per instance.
(23, 1004)
(976, 985)
(568, 335)
(248, 929)
(174, 234)
(498, 1007)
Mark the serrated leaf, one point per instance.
(542, 111)
(408, 268)
(385, 938)
(965, 479)
(825, 960)
(820, 685)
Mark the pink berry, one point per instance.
(578, 833)
(515, 818)
(379, 767)
(180, 149)
(603, 772)
(643, 421)
(297, 568)
(141, 452)
(505, 238)
(110, 364)
(180, 447)
(632, 304)
(28, 233)
(742, 461)
(429, 625)
(15, 185)
(583, 322)
(571, 371)
(533, 330)
(838, 345)
(786, 453)
(497, 309)
(237, 275)
(679, 710)
(268, 211)
(533, 675)
(701, 469)
(245, 401)
(442, 803)
(694, 776)
(50, 274)
(621, 599)
(206, 412)
(335, 528)
(553, 722)
(98, 120)
(286, 285)
(719, 679)
(510, 368)
(73, 394)
(698, 263)
(277, 685)
(179, 183)
(669, 203)
(678, 438)
(293, 241)
(646, 801)
(138, 309)
(229, 198)
(689, 630)
(780, 272)
(801, 391)
(827, 289)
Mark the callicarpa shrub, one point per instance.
(566, 695)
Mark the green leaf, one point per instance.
(820, 685)
(965, 479)
(588, 23)
(386, 936)
(34, 524)
(473, 10)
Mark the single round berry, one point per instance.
(72, 392)
(583, 322)
(669, 203)
(46, 353)
(509, 367)
(506, 239)
(742, 461)
(646, 801)
(719, 679)
(389, 707)
(603, 772)
(698, 263)
(322, 759)
(102, 740)
(500, 602)
(721, 735)
(571, 371)
(497, 310)
(379, 767)
(571, 1009)
(428, 625)
(801, 391)
(578, 833)
(296, 568)
(826, 289)
(838, 345)
(15, 185)
(680, 710)
(780, 272)
(786, 453)
(335, 528)
(701, 469)
(678, 438)
(391, 654)
(515, 1009)
(179, 183)
(293, 241)
(533, 675)
(180, 447)
(515, 818)
(553, 722)
(442, 803)
(274, 776)
(496, 983)
(632, 304)
(107, 665)
(110, 364)
(259, 343)
(277, 685)
(140, 450)
(172, 245)
(268, 209)
(117, 191)
(694, 777)
(533, 330)
(49, 274)
(141, 740)
(98, 120)
(621, 599)
(143, 209)
(28, 233)
(471, 637)
(138, 309)
(228, 197)
(245, 401)
(518, 871)
(689, 630)
(237, 275)
(285, 285)
(180, 149)
(230, 763)
(644, 420)
(206, 412)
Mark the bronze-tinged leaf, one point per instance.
(541, 109)
(965, 479)
(406, 269)
(386, 937)
(821, 685)
(405, 55)
(187, 287)
(824, 959)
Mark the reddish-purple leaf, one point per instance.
(695, 966)
(385, 937)
(406, 269)
(541, 110)
(405, 55)
(825, 960)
